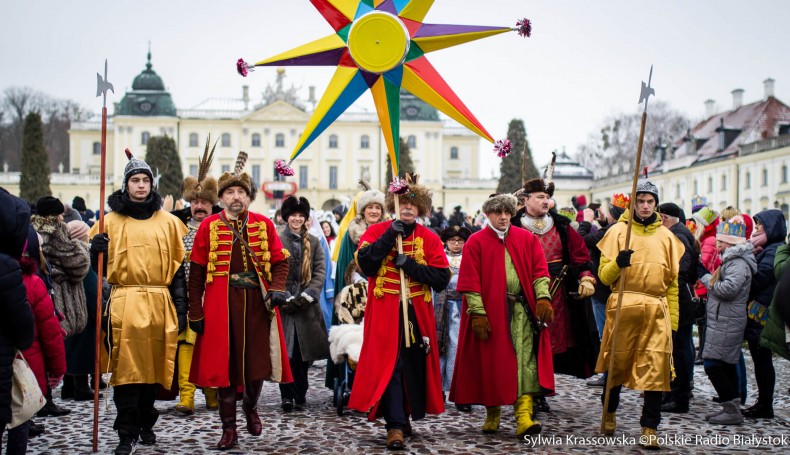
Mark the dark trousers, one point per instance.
(296, 390)
(764, 373)
(742, 384)
(135, 406)
(17, 439)
(392, 400)
(724, 378)
(702, 324)
(683, 355)
(651, 408)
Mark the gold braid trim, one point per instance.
(286, 253)
(419, 253)
(212, 257)
(213, 235)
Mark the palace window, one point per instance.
(765, 177)
(302, 177)
(723, 182)
(411, 141)
(256, 140)
(453, 153)
(97, 148)
(144, 137)
(193, 139)
(225, 141)
(279, 140)
(364, 142)
(332, 177)
(333, 141)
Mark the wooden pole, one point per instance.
(623, 273)
(524, 166)
(100, 272)
(404, 286)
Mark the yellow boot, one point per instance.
(211, 398)
(649, 439)
(610, 424)
(186, 390)
(491, 425)
(523, 412)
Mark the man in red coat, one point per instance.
(504, 352)
(240, 341)
(392, 380)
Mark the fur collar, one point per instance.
(356, 228)
(120, 202)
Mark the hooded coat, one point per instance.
(69, 261)
(773, 335)
(764, 280)
(726, 308)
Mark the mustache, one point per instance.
(200, 211)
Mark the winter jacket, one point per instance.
(764, 280)
(301, 320)
(47, 355)
(709, 256)
(773, 336)
(591, 238)
(69, 261)
(688, 273)
(726, 308)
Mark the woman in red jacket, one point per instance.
(47, 355)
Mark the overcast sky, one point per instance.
(585, 60)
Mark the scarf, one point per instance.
(758, 240)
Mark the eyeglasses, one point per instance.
(455, 241)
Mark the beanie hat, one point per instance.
(749, 222)
(49, 206)
(697, 202)
(505, 203)
(705, 216)
(237, 178)
(645, 186)
(202, 187)
(670, 209)
(78, 204)
(292, 205)
(455, 231)
(732, 231)
(78, 230)
(579, 202)
(133, 167)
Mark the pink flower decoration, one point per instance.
(283, 167)
(399, 186)
(524, 28)
(243, 67)
(502, 148)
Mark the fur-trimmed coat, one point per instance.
(69, 262)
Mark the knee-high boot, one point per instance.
(211, 398)
(186, 390)
(523, 412)
(252, 391)
(227, 414)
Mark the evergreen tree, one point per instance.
(510, 166)
(162, 156)
(34, 181)
(405, 165)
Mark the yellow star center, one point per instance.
(378, 42)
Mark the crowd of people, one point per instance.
(474, 310)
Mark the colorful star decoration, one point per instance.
(381, 45)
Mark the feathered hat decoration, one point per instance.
(548, 174)
(202, 187)
(238, 177)
(367, 196)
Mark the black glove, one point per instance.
(196, 326)
(278, 298)
(182, 322)
(624, 258)
(401, 260)
(399, 228)
(99, 243)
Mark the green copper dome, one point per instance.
(148, 96)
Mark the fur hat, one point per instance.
(49, 206)
(455, 231)
(539, 186)
(78, 204)
(293, 205)
(500, 203)
(368, 196)
(732, 231)
(133, 167)
(645, 186)
(237, 178)
(202, 186)
(418, 195)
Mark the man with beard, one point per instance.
(201, 192)
(392, 380)
(571, 280)
(649, 311)
(144, 257)
(237, 264)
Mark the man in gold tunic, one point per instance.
(144, 254)
(643, 342)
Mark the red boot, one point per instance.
(227, 414)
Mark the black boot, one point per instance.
(35, 429)
(102, 384)
(67, 391)
(82, 390)
(126, 445)
(51, 409)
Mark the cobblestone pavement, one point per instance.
(575, 415)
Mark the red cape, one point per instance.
(210, 360)
(381, 333)
(486, 372)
